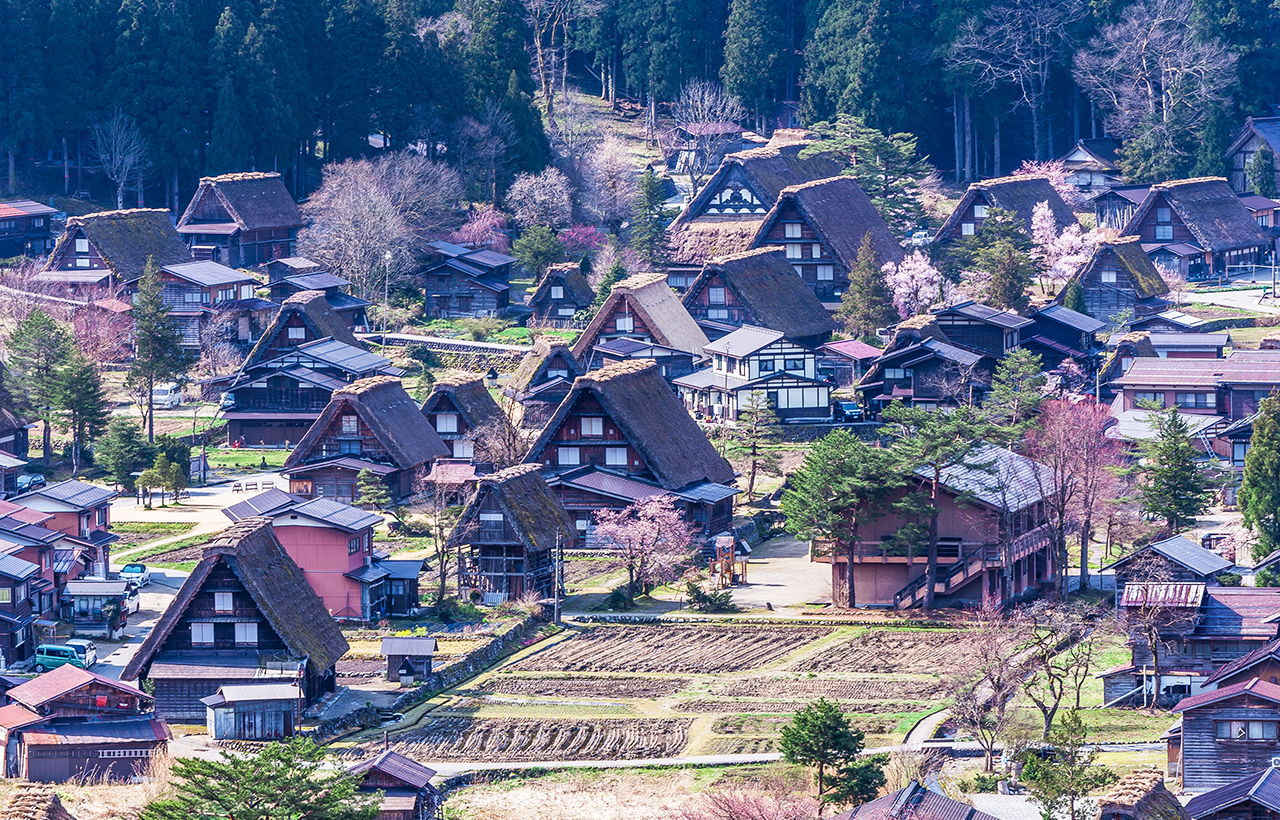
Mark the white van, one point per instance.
(167, 396)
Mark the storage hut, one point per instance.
(254, 711)
(414, 651)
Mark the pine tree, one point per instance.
(371, 491)
(820, 736)
(123, 451)
(1260, 488)
(228, 144)
(1073, 297)
(1172, 485)
(532, 149)
(1015, 396)
(867, 304)
(649, 224)
(754, 43)
(616, 273)
(23, 97)
(1012, 271)
(159, 354)
(38, 348)
(1071, 775)
(82, 402)
(537, 249)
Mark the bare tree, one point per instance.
(987, 682)
(768, 800)
(501, 443)
(544, 18)
(219, 351)
(542, 199)
(702, 109)
(484, 146)
(574, 135)
(1056, 641)
(611, 183)
(1176, 281)
(1154, 612)
(120, 149)
(441, 503)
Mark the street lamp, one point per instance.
(386, 293)
(491, 378)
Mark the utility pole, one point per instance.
(559, 572)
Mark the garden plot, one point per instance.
(585, 687)
(844, 689)
(861, 707)
(898, 651)
(687, 650)
(516, 739)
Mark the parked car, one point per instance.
(226, 401)
(132, 599)
(51, 656)
(30, 481)
(88, 650)
(167, 396)
(842, 410)
(139, 574)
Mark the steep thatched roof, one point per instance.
(1128, 252)
(277, 586)
(712, 236)
(253, 199)
(1019, 195)
(768, 288)
(533, 367)
(126, 239)
(914, 329)
(568, 275)
(313, 306)
(469, 395)
(1211, 211)
(34, 801)
(655, 423)
(649, 297)
(532, 509)
(841, 214)
(1141, 794)
(393, 417)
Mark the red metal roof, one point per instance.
(15, 716)
(853, 349)
(92, 732)
(398, 766)
(1260, 688)
(1251, 369)
(60, 681)
(10, 510)
(24, 207)
(1162, 594)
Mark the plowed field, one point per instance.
(896, 651)
(498, 739)
(624, 688)
(860, 689)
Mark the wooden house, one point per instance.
(1169, 321)
(352, 310)
(241, 220)
(17, 639)
(1262, 663)
(245, 614)
(302, 317)
(559, 295)
(405, 785)
(1255, 796)
(621, 435)
(332, 543)
(641, 307)
(200, 294)
(994, 542)
(726, 215)
(1264, 211)
(460, 281)
(1017, 195)
(921, 368)
(459, 409)
(287, 267)
(486, 260)
(414, 650)
(1120, 276)
(671, 363)
(915, 802)
(757, 287)
(254, 711)
(1093, 165)
(543, 379)
(508, 535)
(1230, 387)
(112, 248)
(820, 226)
(1228, 733)
(1258, 133)
(1196, 228)
(1172, 345)
(96, 607)
(1174, 559)
(14, 438)
(80, 510)
(846, 360)
(750, 363)
(370, 424)
(1141, 795)
(1114, 207)
(1057, 333)
(982, 328)
(26, 228)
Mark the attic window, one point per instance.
(592, 426)
(297, 334)
(201, 633)
(491, 516)
(1108, 277)
(222, 602)
(557, 292)
(979, 211)
(715, 296)
(447, 423)
(966, 229)
(560, 373)
(793, 251)
(792, 230)
(82, 246)
(350, 426)
(826, 273)
(1164, 215)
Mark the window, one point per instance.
(6, 595)
(1108, 277)
(222, 602)
(895, 373)
(447, 423)
(717, 313)
(793, 251)
(1264, 221)
(1239, 449)
(766, 365)
(557, 292)
(826, 273)
(297, 334)
(246, 291)
(350, 426)
(715, 296)
(793, 364)
(567, 457)
(351, 448)
(226, 294)
(718, 361)
(82, 263)
(38, 222)
(1164, 215)
(592, 426)
(353, 545)
(791, 230)
(1200, 400)
(815, 250)
(464, 448)
(558, 374)
(202, 634)
(1246, 730)
(22, 592)
(565, 311)
(246, 634)
(625, 324)
(82, 246)
(102, 516)
(193, 296)
(615, 456)
(1164, 233)
(1158, 398)
(979, 211)
(966, 229)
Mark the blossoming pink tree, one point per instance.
(650, 540)
(917, 285)
(485, 228)
(1061, 254)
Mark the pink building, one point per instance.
(333, 545)
(80, 510)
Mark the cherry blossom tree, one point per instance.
(1061, 255)
(649, 539)
(917, 285)
(542, 199)
(486, 227)
(580, 240)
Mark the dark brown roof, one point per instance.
(471, 398)
(651, 298)
(841, 214)
(532, 509)
(382, 403)
(1211, 210)
(655, 423)
(577, 289)
(254, 200)
(126, 239)
(533, 366)
(317, 315)
(768, 288)
(34, 801)
(1142, 794)
(276, 585)
(1020, 195)
(1129, 254)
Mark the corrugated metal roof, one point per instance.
(707, 491)
(408, 646)
(1262, 787)
(400, 767)
(986, 313)
(340, 354)
(1244, 662)
(241, 692)
(343, 516)
(1259, 688)
(264, 503)
(58, 682)
(74, 588)
(368, 574)
(1184, 551)
(1171, 594)
(402, 569)
(75, 493)
(92, 731)
(616, 485)
(11, 566)
(853, 349)
(15, 716)
(915, 802)
(1009, 481)
(744, 341)
(316, 281)
(1239, 612)
(209, 273)
(1071, 318)
(1206, 373)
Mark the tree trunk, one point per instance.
(850, 549)
(1084, 552)
(141, 200)
(120, 195)
(955, 119)
(48, 435)
(79, 161)
(995, 147)
(931, 567)
(12, 172)
(66, 168)
(151, 411)
(968, 139)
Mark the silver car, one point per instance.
(86, 648)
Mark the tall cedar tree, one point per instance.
(23, 99)
(1012, 272)
(1073, 297)
(1261, 172)
(1260, 488)
(753, 52)
(1015, 394)
(123, 451)
(82, 402)
(1172, 485)
(616, 273)
(649, 224)
(868, 303)
(933, 443)
(290, 780)
(38, 348)
(157, 341)
(843, 484)
(820, 736)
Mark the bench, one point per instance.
(250, 485)
(237, 486)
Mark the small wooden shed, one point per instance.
(254, 711)
(408, 657)
(407, 793)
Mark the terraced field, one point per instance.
(526, 740)
(892, 651)
(584, 687)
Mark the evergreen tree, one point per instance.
(355, 37)
(1260, 487)
(820, 736)
(886, 166)
(123, 451)
(38, 348)
(532, 148)
(371, 491)
(177, 451)
(1015, 395)
(1072, 774)
(496, 50)
(754, 43)
(82, 402)
(1172, 485)
(23, 97)
(1073, 297)
(867, 303)
(649, 224)
(1215, 138)
(613, 276)
(159, 354)
(1261, 171)
(1012, 272)
(228, 144)
(537, 249)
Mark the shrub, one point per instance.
(1268, 577)
(1230, 579)
(710, 601)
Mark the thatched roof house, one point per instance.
(1120, 275)
(34, 801)
(1211, 212)
(457, 407)
(642, 307)
(1141, 795)
(533, 512)
(543, 379)
(252, 200)
(113, 245)
(560, 293)
(309, 310)
(1019, 195)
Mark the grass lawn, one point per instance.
(151, 527)
(183, 566)
(227, 458)
(1249, 338)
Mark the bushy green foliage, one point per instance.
(1229, 579)
(713, 601)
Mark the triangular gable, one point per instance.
(315, 313)
(649, 298)
(532, 510)
(731, 195)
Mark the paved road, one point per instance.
(780, 573)
(156, 598)
(447, 769)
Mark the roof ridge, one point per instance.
(1174, 183)
(367, 385)
(115, 214)
(239, 176)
